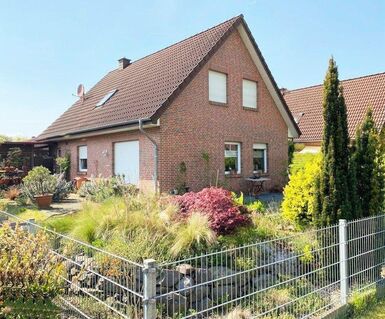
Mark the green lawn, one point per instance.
(375, 312)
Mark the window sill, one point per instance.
(233, 175)
(250, 108)
(263, 174)
(83, 173)
(218, 103)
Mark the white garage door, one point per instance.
(126, 161)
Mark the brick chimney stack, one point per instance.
(123, 63)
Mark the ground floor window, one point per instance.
(82, 154)
(260, 158)
(232, 158)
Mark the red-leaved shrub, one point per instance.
(217, 203)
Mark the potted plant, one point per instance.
(40, 186)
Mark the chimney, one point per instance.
(123, 63)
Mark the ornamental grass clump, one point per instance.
(218, 205)
(193, 235)
(28, 269)
(12, 193)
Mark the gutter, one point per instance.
(93, 131)
(132, 126)
(156, 151)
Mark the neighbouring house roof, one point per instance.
(360, 94)
(146, 86)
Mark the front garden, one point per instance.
(117, 218)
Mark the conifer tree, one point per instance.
(332, 191)
(353, 186)
(368, 158)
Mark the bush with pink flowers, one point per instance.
(217, 203)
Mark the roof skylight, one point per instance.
(106, 98)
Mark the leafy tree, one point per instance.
(3, 138)
(332, 185)
(368, 160)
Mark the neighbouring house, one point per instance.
(210, 94)
(360, 94)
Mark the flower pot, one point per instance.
(79, 181)
(43, 201)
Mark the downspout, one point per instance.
(155, 154)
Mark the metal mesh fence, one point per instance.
(302, 276)
(366, 252)
(296, 276)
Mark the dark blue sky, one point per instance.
(49, 47)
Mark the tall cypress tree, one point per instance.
(368, 158)
(332, 193)
(353, 185)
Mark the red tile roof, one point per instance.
(148, 85)
(360, 93)
(142, 87)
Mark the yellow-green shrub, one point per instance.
(297, 205)
(300, 160)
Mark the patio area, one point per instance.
(70, 205)
(266, 198)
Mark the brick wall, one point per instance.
(192, 125)
(100, 154)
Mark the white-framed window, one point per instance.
(82, 154)
(217, 87)
(260, 158)
(232, 158)
(249, 94)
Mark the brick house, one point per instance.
(359, 93)
(211, 93)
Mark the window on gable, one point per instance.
(83, 156)
(232, 158)
(249, 94)
(260, 158)
(217, 87)
(106, 98)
